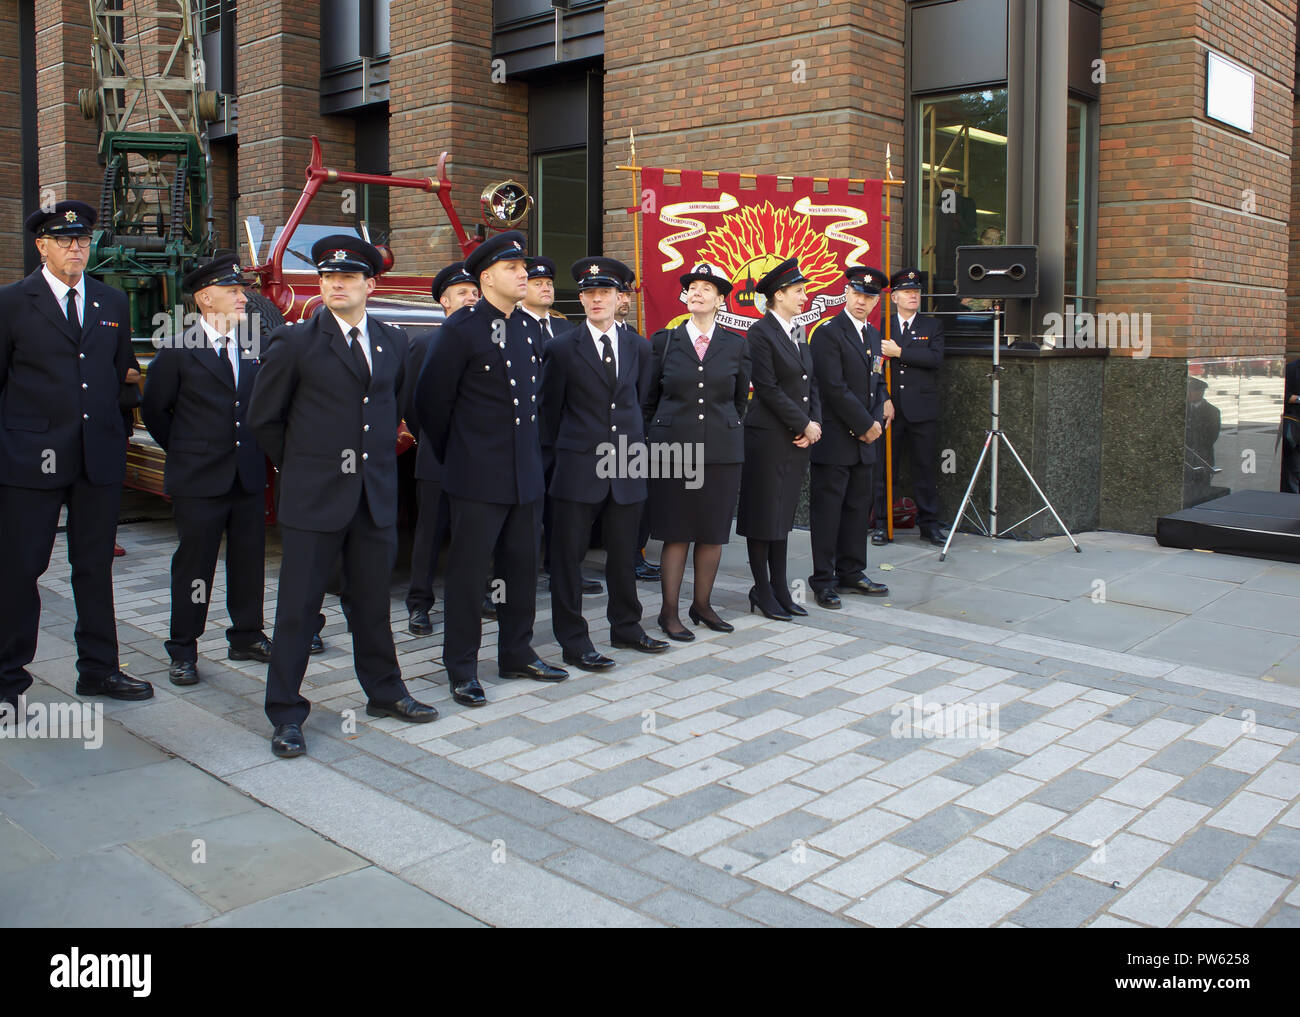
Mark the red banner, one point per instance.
(745, 232)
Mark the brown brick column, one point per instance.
(442, 98)
(67, 142)
(1193, 214)
(11, 147)
(279, 111)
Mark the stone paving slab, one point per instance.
(783, 774)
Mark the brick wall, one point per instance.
(67, 142)
(279, 111)
(442, 98)
(1193, 215)
(711, 87)
(11, 170)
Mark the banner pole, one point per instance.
(636, 234)
(888, 315)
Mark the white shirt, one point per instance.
(363, 338)
(541, 319)
(787, 325)
(694, 333)
(904, 322)
(227, 343)
(61, 288)
(858, 326)
(596, 336)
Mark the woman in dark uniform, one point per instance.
(698, 388)
(783, 423)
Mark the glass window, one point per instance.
(1078, 147)
(561, 218)
(962, 193)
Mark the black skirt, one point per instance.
(770, 483)
(701, 515)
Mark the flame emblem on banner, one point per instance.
(758, 238)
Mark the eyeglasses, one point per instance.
(66, 242)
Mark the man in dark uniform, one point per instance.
(65, 348)
(916, 348)
(849, 369)
(477, 400)
(589, 368)
(454, 289)
(325, 407)
(646, 571)
(196, 407)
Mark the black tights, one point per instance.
(767, 558)
(672, 567)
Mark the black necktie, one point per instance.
(227, 369)
(865, 341)
(546, 331)
(359, 355)
(72, 311)
(907, 331)
(611, 369)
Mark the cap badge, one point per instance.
(593, 269)
(339, 255)
(70, 215)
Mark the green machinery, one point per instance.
(154, 203)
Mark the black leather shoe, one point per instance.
(259, 650)
(878, 538)
(405, 708)
(787, 603)
(589, 660)
(489, 611)
(590, 586)
(766, 605)
(681, 635)
(642, 644)
(183, 672)
(863, 587)
(828, 599)
(468, 692)
(937, 536)
(317, 645)
(647, 573)
(288, 741)
(538, 671)
(715, 623)
(116, 686)
(419, 624)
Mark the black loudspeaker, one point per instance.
(997, 272)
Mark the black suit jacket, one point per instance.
(785, 387)
(916, 369)
(853, 395)
(582, 415)
(1291, 386)
(477, 401)
(200, 419)
(427, 466)
(690, 401)
(59, 390)
(330, 436)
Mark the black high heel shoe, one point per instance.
(768, 610)
(787, 603)
(715, 623)
(682, 635)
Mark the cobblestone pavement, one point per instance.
(784, 774)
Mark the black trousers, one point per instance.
(481, 531)
(432, 528)
(29, 519)
(840, 518)
(369, 552)
(570, 534)
(920, 441)
(200, 525)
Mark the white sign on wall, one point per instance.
(1229, 93)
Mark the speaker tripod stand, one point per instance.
(995, 437)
